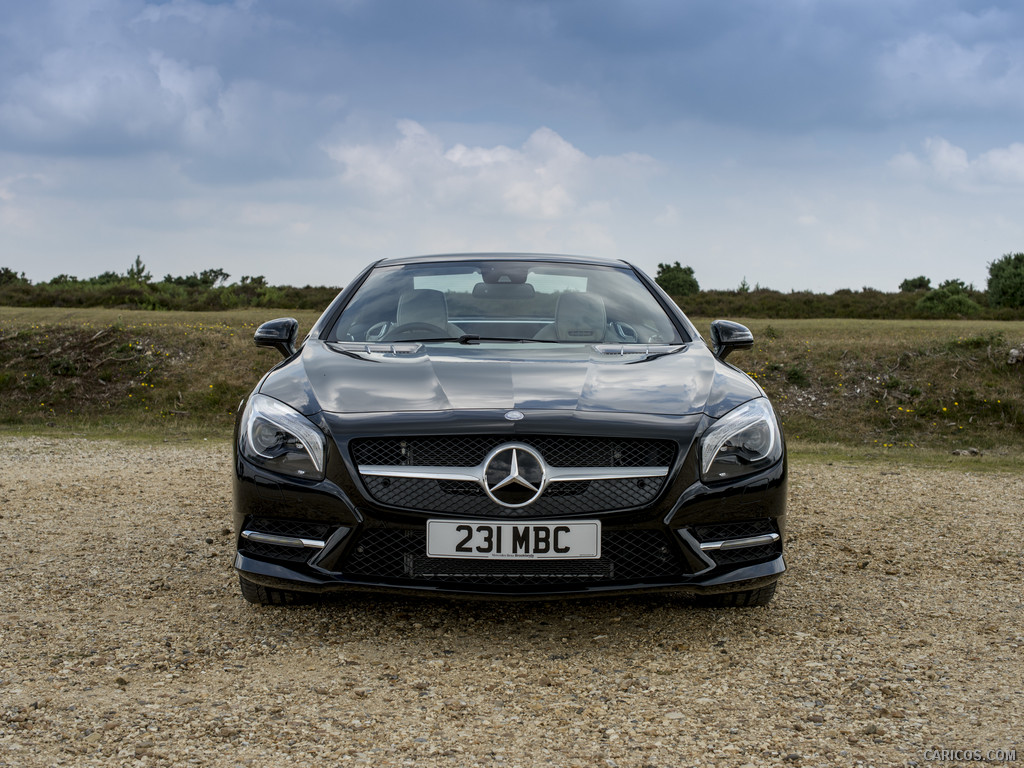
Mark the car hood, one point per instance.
(673, 380)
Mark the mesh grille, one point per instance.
(746, 554)
(738, 530)
(298, 529)
(468, 498)
(275, 552)
(384, 554)
(295, 528)
(471, 450)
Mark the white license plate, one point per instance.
(551, 540)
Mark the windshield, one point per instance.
(504, 301)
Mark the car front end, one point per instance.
(510, 465)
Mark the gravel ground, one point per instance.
(124, 640)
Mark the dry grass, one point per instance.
(886, 384)
(119, 373)
(870, 387)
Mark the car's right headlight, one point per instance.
(281, 439)
(744, 441)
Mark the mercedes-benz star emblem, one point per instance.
(514, 475)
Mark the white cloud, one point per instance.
(931, 71)
(947, 163)
(547, 178)
(1004, 165)
(946, 160)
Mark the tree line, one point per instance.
(1003, 298)
(136, 289)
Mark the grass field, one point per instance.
(844, 388)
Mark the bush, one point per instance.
(912, 284)
(949, 301)
(9, 277)
(1006, 281)
(677, 280)
(136, 290)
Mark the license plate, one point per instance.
(554, 540)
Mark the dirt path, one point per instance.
(124, 641)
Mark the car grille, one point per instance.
(385, 554)
(470, 450)
(460, 497)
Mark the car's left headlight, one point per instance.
(744, 441)
(281, 439)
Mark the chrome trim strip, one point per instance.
(470, 474)
(750, 541)
(282, 541)
(477, 474)
(569, 474)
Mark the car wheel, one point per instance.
(745, 599)
(260, 595)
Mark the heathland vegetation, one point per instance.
(876, 386)
(136, 289)
(1002, 299)
(209, 290)
(117, 354)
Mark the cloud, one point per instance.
(246, 89)
(547, 178)
(947, 163)
(934, 73)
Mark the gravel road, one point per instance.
(124, 641)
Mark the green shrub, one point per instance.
(947, 302)
(911, 284)
(1006, 281)
(677, 280)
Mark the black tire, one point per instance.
(257, 594)
(746, 599)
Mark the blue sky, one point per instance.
(792, 143)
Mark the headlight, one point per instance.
(744, 441)
(281, 439)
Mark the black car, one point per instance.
(507, 425)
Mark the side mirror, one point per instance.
(727, 336)
(280, 334)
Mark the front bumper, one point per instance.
(693, 539)
(279, 577)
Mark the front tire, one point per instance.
(257, 594)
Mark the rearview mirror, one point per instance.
(727, 336)
(280, 334)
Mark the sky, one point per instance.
(794, 144)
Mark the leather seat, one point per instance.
(425, 305)
(578, 317)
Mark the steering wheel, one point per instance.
(417, 327)
(376, 331)
(624, 331)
